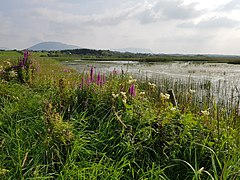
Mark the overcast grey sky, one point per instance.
(164, 26)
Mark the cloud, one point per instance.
(175, 9)
(212, 23)
(232, 5)
(161, 25)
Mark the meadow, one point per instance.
(56, 123)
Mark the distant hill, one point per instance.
(134, 50)
(4, 48)
(52, 46)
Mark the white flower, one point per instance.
(131, 81)
(8, 63)
(123, 93)
(115, 95)
(164, 96)
(192, 91)
(12, 74)
(3, 171)
(152, 85)
(142, 93)
(205, 112)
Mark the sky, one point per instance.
(164, 26)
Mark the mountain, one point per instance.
(134, 50)
(52, 46)
(4, 48)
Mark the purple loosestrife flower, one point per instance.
(92, 74)
(132, 90)
(25, 57)
(82, 83)
(21, 63)
(104, 79)
(89, 81)
(67, 70)
(99, 79)
(114, 71)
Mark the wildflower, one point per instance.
(115, 95)
(103, 79)
(142, 93)
(132, 90)
(124, 97)
(99, 79)
(114, 71)
(192, 91)
(92, 74)
(20, 63)
(123, 94)
(12, 74)
(66, 70)
(173, 109)
(124, 101)
(206, 113)
(164, 96)
(82, 83)
(8, 63)
(25, 57)
(3, 171)
(152, 85)
(131, 81)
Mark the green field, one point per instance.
(56, 123)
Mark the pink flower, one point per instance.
(92, 74)
(25, 57)
(82, 83)
(103, 79)
(132, 90)
(99, 79)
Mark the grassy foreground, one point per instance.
(59, 124)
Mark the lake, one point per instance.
(223, 77)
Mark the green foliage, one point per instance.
(52, 128)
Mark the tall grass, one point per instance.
(67, 125)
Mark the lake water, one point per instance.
(222, 75)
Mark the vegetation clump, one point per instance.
(56, 123)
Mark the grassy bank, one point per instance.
(59, 124)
